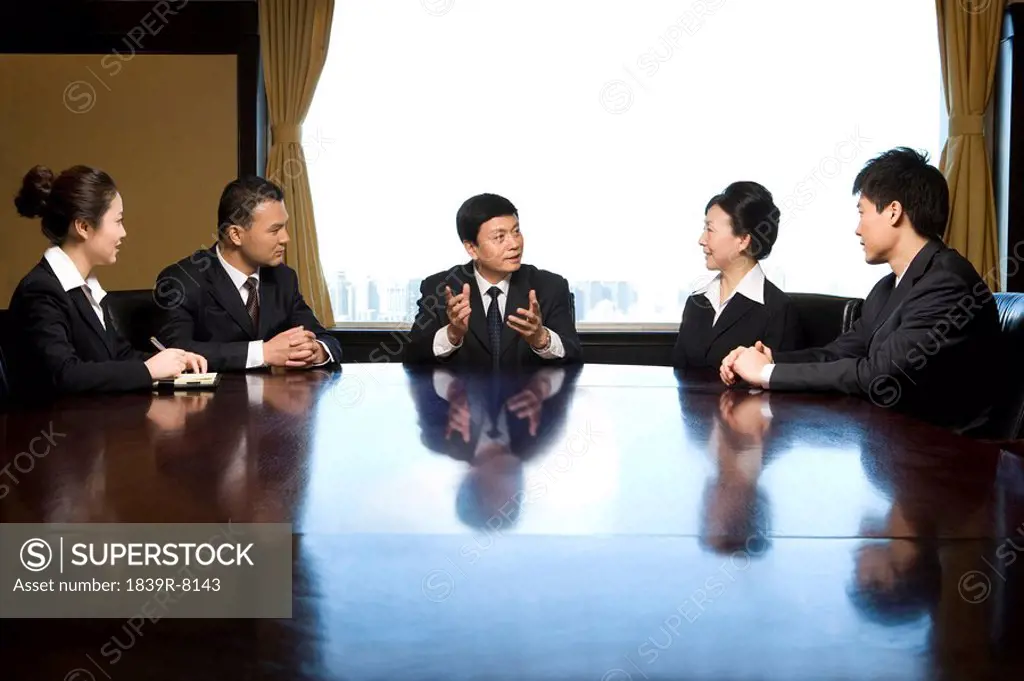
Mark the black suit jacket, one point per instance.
(57, 345)
(929, 347)
(552, 293)
(699, 345)
(204, 313)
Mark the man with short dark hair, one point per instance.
(928, 330)
(238, 301)
(493, 312)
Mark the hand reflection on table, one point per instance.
(942, 491)
(168, 413)
(897, 576)
(735, 511)
(890, 555)
(492, 424)
(293, 392)
(236, 427)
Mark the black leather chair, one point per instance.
(1007, 422)
(5, 385)
(823, 318)
(136, 316)
(5, 388)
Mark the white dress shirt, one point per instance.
(70, 278)
(751, 286)
(443, 346)
(254, 357)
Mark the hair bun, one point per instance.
(35, 191)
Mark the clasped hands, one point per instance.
(295, 348)
(746, 363)
(528, 323)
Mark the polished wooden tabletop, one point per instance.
(604, 523)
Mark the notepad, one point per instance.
(189, 382)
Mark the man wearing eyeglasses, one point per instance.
(493, 312)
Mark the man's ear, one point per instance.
(234, 234)
(471, 249)
(895, 212)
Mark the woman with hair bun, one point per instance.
(739, 306)
(62, 339)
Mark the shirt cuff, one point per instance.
(442, 345)
(327, 351)
(766, 375)
(254, 358)
(556, 377)
(554, 350)
(442, 382)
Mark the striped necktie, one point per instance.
(252, 303)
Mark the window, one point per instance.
(609, 125)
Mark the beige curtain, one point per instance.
(294, 35)
(969, 33)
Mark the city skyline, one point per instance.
(371, 299)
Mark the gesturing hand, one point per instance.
(458, 309)
(529, 324)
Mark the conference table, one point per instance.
(612, 523)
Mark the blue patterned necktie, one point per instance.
(494, 325)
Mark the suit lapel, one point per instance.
(81, 304)
(268, 287)
(737, 308)
(917, 267)
(518, 296)
(477, 317)
(224, 293)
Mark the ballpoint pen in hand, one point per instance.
(160, 346)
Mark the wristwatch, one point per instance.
(547, 343)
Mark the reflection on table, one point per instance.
(564, 523)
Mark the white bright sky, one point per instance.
(610, 124)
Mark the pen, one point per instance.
(157, 344)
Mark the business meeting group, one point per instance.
(238, 307)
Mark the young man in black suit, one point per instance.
(237, 303)
(928, 330)
(493, 312)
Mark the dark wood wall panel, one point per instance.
(123, 29)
